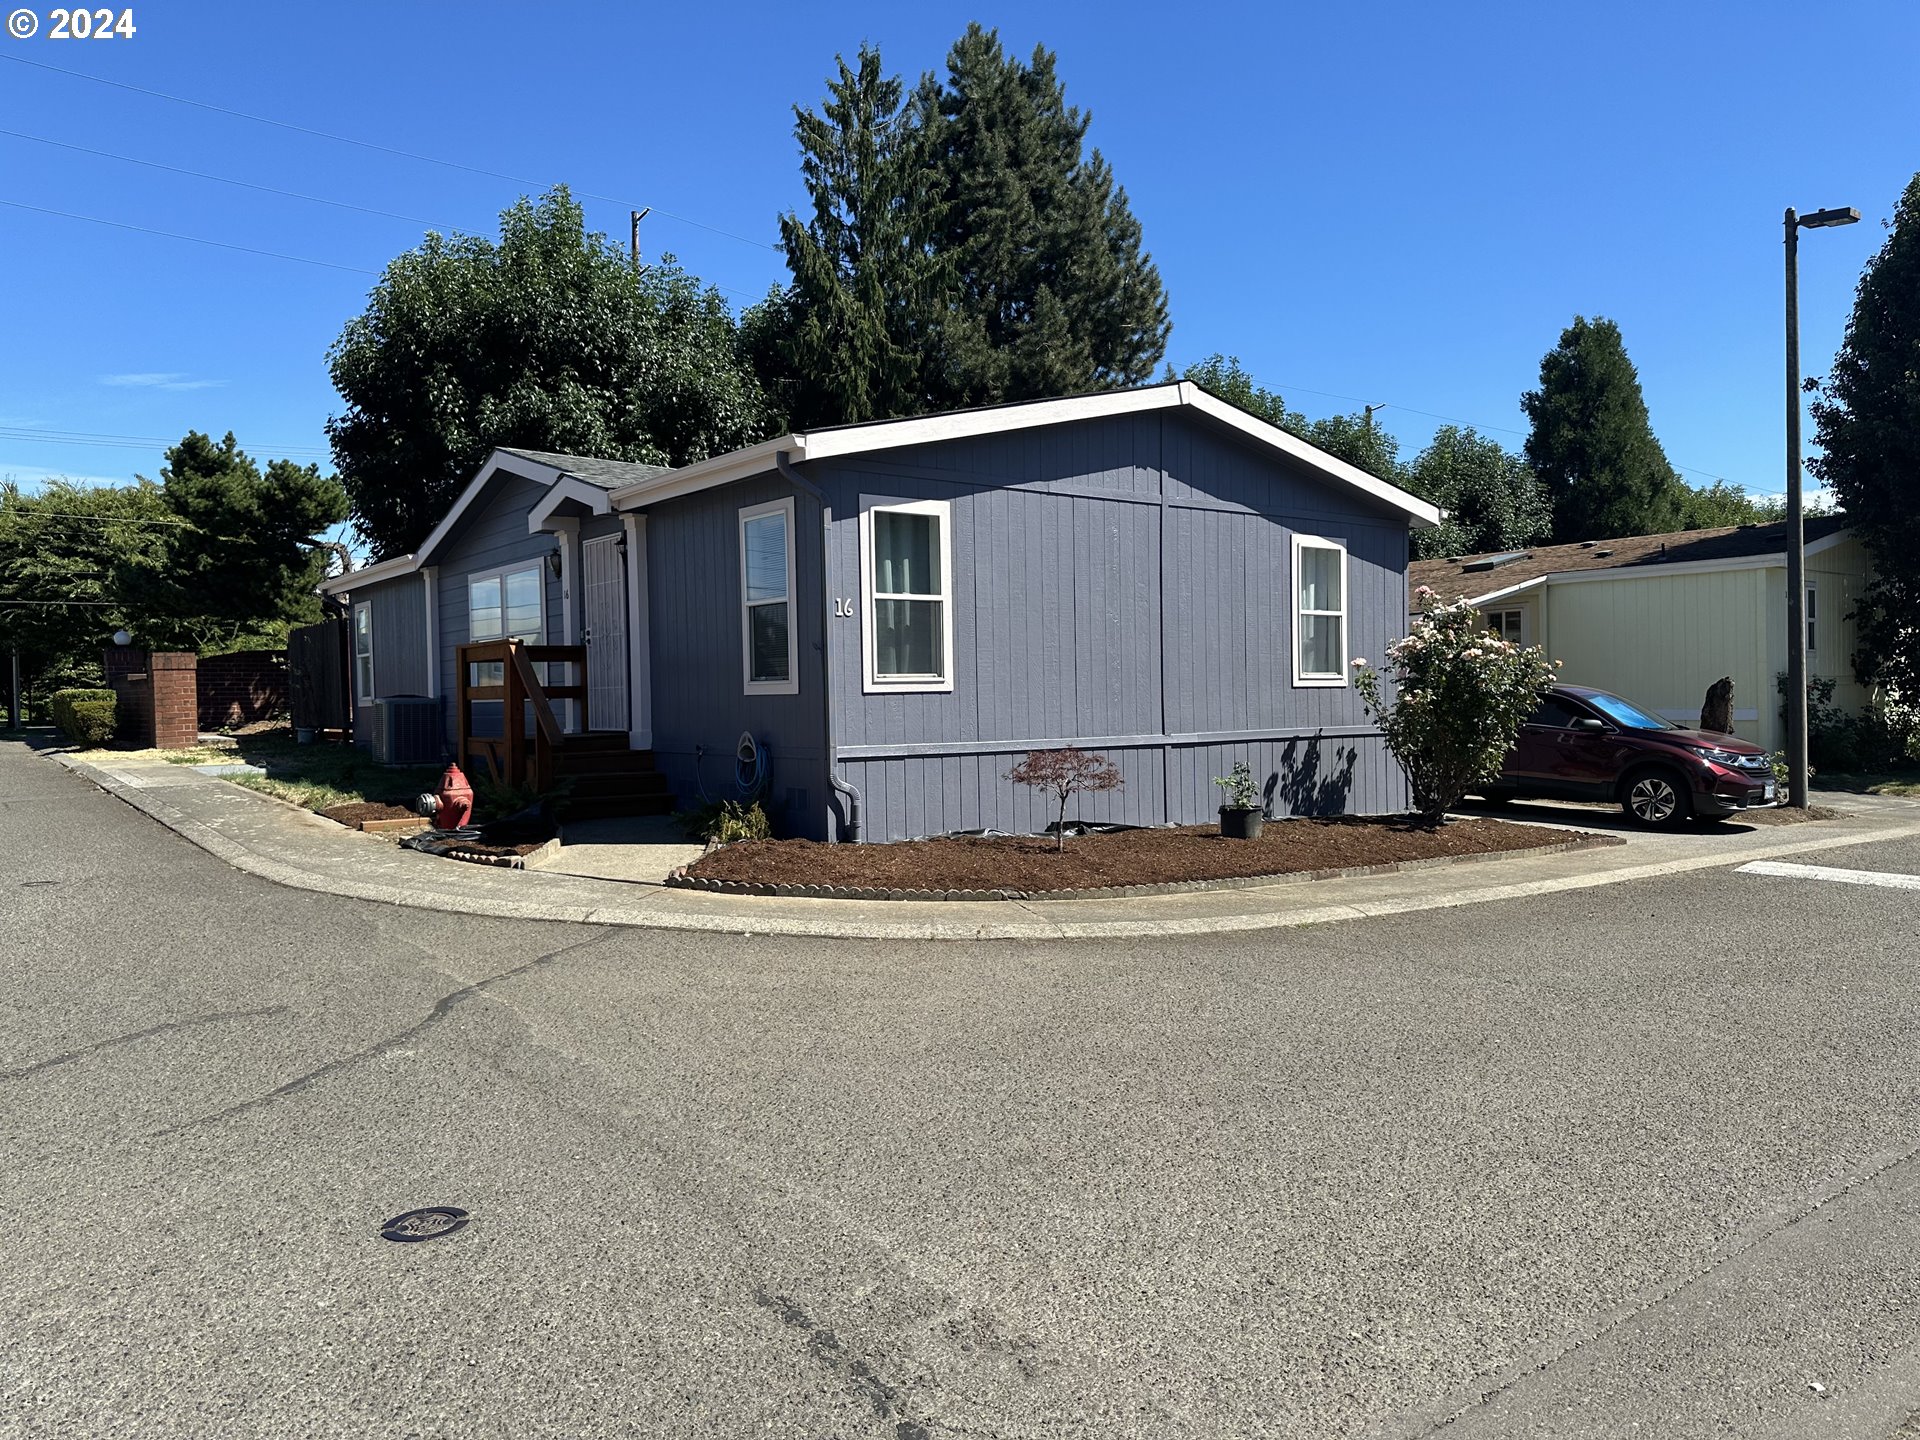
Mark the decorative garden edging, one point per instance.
(680, 880)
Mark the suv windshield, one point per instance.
(1626, 713)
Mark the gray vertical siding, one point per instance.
(1123, 584)
(699, 700)
(399, 623)
(494, 535)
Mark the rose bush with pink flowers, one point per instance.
(1460, 696)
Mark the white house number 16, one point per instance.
(842, 607)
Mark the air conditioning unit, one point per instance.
(407, 730)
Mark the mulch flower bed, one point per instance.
(1027, 865)
(358, 811)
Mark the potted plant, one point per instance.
(1242, 816)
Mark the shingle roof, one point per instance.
(1472, 575)
(607, 474)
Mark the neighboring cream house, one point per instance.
(1659, 618)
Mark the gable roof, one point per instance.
(877, 435)
(607, 474)
(1483, 576)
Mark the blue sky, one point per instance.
(1399, 203)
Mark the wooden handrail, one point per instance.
(520, 689)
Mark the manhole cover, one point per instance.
(426, 1224)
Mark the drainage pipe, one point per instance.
(851, 830)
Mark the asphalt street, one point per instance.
(1633, 1160)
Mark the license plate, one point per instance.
(1766, 793)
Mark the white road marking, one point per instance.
(1828, 872)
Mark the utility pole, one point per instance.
(1370, 409)
(1796, 528)
(13, 696)
(638, 216)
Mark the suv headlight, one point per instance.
(1719, 757)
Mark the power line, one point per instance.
(172, 235)
(224, 180)
(366, 144)
(35, 435)
(1471, 424)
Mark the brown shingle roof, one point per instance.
(1472, 575)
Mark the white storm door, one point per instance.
(604, 606)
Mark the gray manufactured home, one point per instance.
(895, 612)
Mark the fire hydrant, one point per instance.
(456, 800)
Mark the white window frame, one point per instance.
(1811, 616)
(790, 685)
(363, 694)
(874, 682)
(500, 573)
(1302, 679)
(1492, 618)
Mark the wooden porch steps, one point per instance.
(609, 779)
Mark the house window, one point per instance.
(767, 636)
(363, 653)
(1319, 611)
(1507, 624)
(1813, 614)
(906, 571)
(505, 605)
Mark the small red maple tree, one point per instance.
(1065, 772)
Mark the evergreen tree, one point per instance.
(845, 341)
(548, 339)
(1592, 444)
(242, 562)
(1053, 293)
(1492, 500)
(60, 548)
(1867, 423)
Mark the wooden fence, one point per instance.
(319, 676)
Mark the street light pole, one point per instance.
(1796, 527)
(1796, 540)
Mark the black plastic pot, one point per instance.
(1241, 824)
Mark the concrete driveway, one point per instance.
(1635, 1159)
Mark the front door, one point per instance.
(604, 611)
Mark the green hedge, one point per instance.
(85, 715)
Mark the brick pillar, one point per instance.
(120, 661)
(173, 685)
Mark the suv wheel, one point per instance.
(1656, 798)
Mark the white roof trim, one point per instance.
(566, 488)
(368, 575)
(965, 424)
(1524, 585)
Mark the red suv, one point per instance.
(1584, 744)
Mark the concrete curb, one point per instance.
(825, 919)
(680, 880)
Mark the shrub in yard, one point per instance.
(86, 717)
(1065, 773)
(1461, 694)
(725, 821)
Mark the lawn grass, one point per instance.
(315, 777)
(1906, 783)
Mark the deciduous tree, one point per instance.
(1491, 499)
(1065, 773)
(547, 338)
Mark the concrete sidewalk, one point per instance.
(279, 842)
